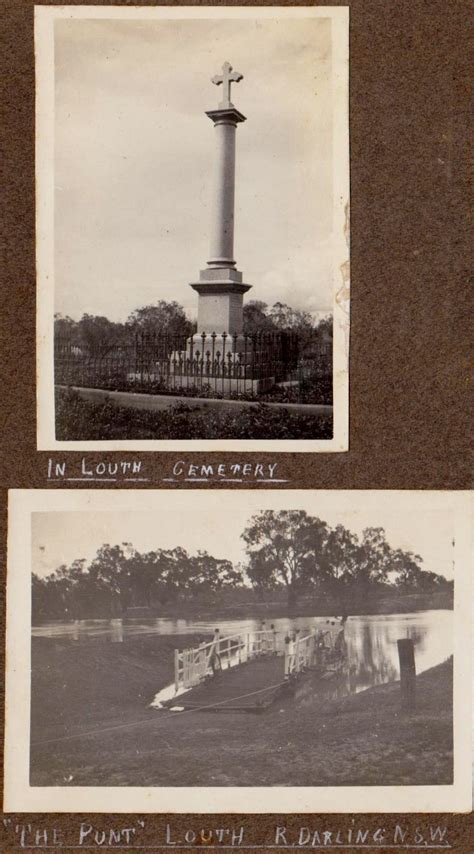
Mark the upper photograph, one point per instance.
(192, 222)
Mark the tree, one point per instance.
(143, 582)
(355, 566)
(373, 556)
(57, 596)
(167, 318)
(98, 335)
(282, 548)
(256, 317)
(63, 325)
(408, 570)
(324, 327)
(210, 574)
(259, 317)
(339, 563)
(108, 574)
(93, 335)
(119, 577)
(289, 319)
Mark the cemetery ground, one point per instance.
(103, 690)
(78, 419)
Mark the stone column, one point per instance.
(222, 212)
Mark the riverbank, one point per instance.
(250, 608)
(393, 603)
(103, 690)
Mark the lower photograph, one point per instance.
(231, 650)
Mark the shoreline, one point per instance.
(359, 739)
(384, 606)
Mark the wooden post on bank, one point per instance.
(406, 655)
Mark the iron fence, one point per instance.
(206, 364)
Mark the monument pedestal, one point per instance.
(220, 305)
(226, 363)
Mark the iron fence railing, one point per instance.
(220, 365)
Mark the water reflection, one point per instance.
(371, 640)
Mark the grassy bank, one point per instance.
(79, 419)
(95, 683)
(360, 740)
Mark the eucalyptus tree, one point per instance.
(284, 547)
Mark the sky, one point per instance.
(134, 157)
(213, 521)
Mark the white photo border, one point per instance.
(45, 17)
(20, 796)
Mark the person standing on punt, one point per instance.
(214, 655)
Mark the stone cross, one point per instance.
(226, 78)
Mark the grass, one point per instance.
(311, 741)
(77, 419)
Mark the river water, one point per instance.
(371, 640)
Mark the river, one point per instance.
(371, 640)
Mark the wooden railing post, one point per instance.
(176, 670)
(185, 668)
(287, 669)
(406, 655)
(313, 648)
(202, 661)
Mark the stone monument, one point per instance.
(219, 353)
(220, 286)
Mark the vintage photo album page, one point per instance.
(223, 650)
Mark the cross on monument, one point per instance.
(227, 77)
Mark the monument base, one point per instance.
(227, 354)
(176, 379)
(218, 311)
(220, 306)
(223, 385)
(225, 363)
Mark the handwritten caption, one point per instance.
(87, 835)
(133, 471)
(227, 473)
(105, 470)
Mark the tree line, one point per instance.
(286, 550)
(98, 334)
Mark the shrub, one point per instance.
(77, 419)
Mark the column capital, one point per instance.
(230, 116)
